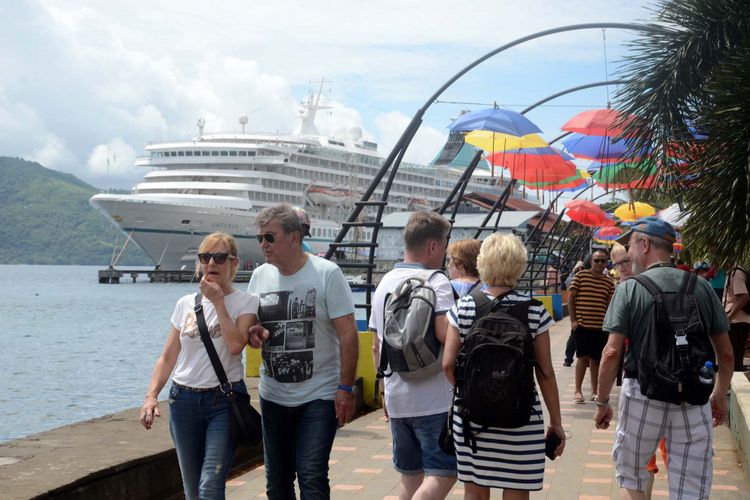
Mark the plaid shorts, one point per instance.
(689, 435)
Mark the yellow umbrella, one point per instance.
(633, 211)
(495, 142)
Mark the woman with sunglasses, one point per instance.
(199, 419)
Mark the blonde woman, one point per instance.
(511, 459)
(199, 414)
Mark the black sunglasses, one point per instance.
(219, 258)
(269, 237)
(600, 261)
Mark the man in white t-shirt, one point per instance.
(418, 409)
(309, 357)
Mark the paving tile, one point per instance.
(361, 459)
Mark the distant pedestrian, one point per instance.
(736, 300)
(643, 421)
(588, 300)
(570, 345)
(199, 413)
(418, 409)
(461, 262)
(507, 458)
(621, 262)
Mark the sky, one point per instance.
(85, 85)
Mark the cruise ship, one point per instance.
(219, 182)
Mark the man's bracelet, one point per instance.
(601, 403)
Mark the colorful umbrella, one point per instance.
(587, 213)
(535, 164)
(495, 120)
(572, 183)
(623, 175)
(594, 147)
(634, 210)
(608, 233)
(674, 215)
(495, 141)
(606, 121)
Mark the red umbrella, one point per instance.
(607, 233)
(535, 165)
(587, 213)
(605, 122)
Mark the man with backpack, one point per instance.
(676, 330)
(409, 316)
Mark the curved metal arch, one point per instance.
(403, 142)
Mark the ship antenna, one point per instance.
(201, 124)
(243, 122)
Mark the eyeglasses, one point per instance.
(219, 257)
(600, 261)
(623, 262)
(269, 237)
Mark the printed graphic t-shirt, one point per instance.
(418, 398)
(301, 358)
(194, 368)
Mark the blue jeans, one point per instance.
(298, 440)
(199, 424)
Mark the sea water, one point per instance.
(73, 349)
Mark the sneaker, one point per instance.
(568, 362)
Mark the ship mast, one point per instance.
(308, 111)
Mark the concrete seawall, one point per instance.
(107, 457)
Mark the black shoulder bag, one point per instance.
(245, 420)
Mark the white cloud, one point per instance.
(114, 158)
(86, 71)
(424, 146)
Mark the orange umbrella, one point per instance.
(587, 213)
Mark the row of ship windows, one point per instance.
(170, 154)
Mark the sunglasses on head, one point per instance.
(600, 261)
(219, 257)
(266, 236)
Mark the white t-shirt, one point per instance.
(301, 358)
(422, 397)
(194, 368)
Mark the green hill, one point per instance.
(46, 219)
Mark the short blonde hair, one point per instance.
(229, 242)
(464, 254)
(502, 260)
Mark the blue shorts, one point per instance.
(415, 446)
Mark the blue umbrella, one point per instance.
(595, 147)
(500, 120)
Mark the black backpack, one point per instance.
(674, 347)
(494, 368)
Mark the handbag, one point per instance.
(245, 421)
(445, 440)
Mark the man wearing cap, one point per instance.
(309, 357)
(642, 421)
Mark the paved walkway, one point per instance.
(361, 465)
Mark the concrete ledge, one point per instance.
(107, 457)
(739, 416)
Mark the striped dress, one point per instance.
(505, 458)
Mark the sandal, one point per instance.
(579, 399)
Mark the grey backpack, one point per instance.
(409, 343)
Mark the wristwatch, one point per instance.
(351, 389)
(601, 403)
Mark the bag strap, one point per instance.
(210, 348)
(649, 285)
(688, 283)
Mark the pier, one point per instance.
(114, 457)
(113, 276)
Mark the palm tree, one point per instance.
(694, 77)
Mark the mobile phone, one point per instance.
(551, 442)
